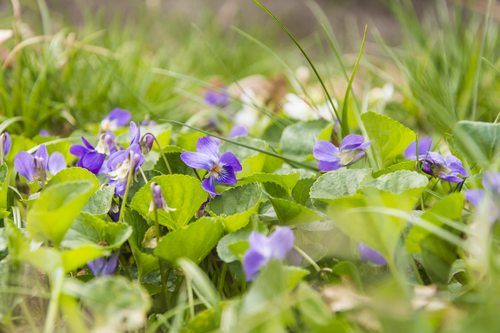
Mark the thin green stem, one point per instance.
(307, 258)
(130, 175)
(52, 312)
(289, 160)
(165, 160)
(308, 59)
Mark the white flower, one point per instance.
(296, 108)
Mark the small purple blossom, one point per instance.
(115, 119)
(424, 146)
(238, 131)
(262, 249)
(158, 200)
(92, 158)
(221, 168)
(447, 168)
(44, 133)
(331, 157)
(35, 167)
(219, 97)
(5, 145)
(104, 266)
(120, 164)
(366, 253)
(491, 184)
(147, 121)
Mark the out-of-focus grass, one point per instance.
(58, 78)
(448, 65)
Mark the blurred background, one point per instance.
(155, 57)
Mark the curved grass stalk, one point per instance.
(308, 59)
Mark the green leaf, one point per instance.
(79, 256)
(478, 141)
(236, 205)
(290, 213)
(286, 181)
(399, 181)
(100, 202)
(297, 140)
(238, 239)
(49, 260)
(73, 174)
(116, 303)
(146, 262)
(251, 160)
(53, 212)
(88, 229)
(339, 183)
(373, 217)
(194, 241)
(184, 193)
(449, 208)
(273, 281)
(389, 137)
(203, 287)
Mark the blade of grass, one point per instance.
(308, 59)
(284, 158)
(345, 105)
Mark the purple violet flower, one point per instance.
(221, 168)
(366, 253)
(449, 168)
(35, 167)
(219, 97)
(44, 133)
(262, 249)
(92, 158)
(424, 146)
(491, 184)
(115, 119)
(120, 164)
(238, 131)
(331, 157)
(104, 266)
(5, 145)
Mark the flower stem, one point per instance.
(307, 258)
(161, 263)
(57, 282)
(163, 156)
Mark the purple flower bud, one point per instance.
(104, 266)
(158, 201)
(262, 249)
(5, 145)
(368, 254)
(147, 143)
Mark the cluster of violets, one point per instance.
(118, 163)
